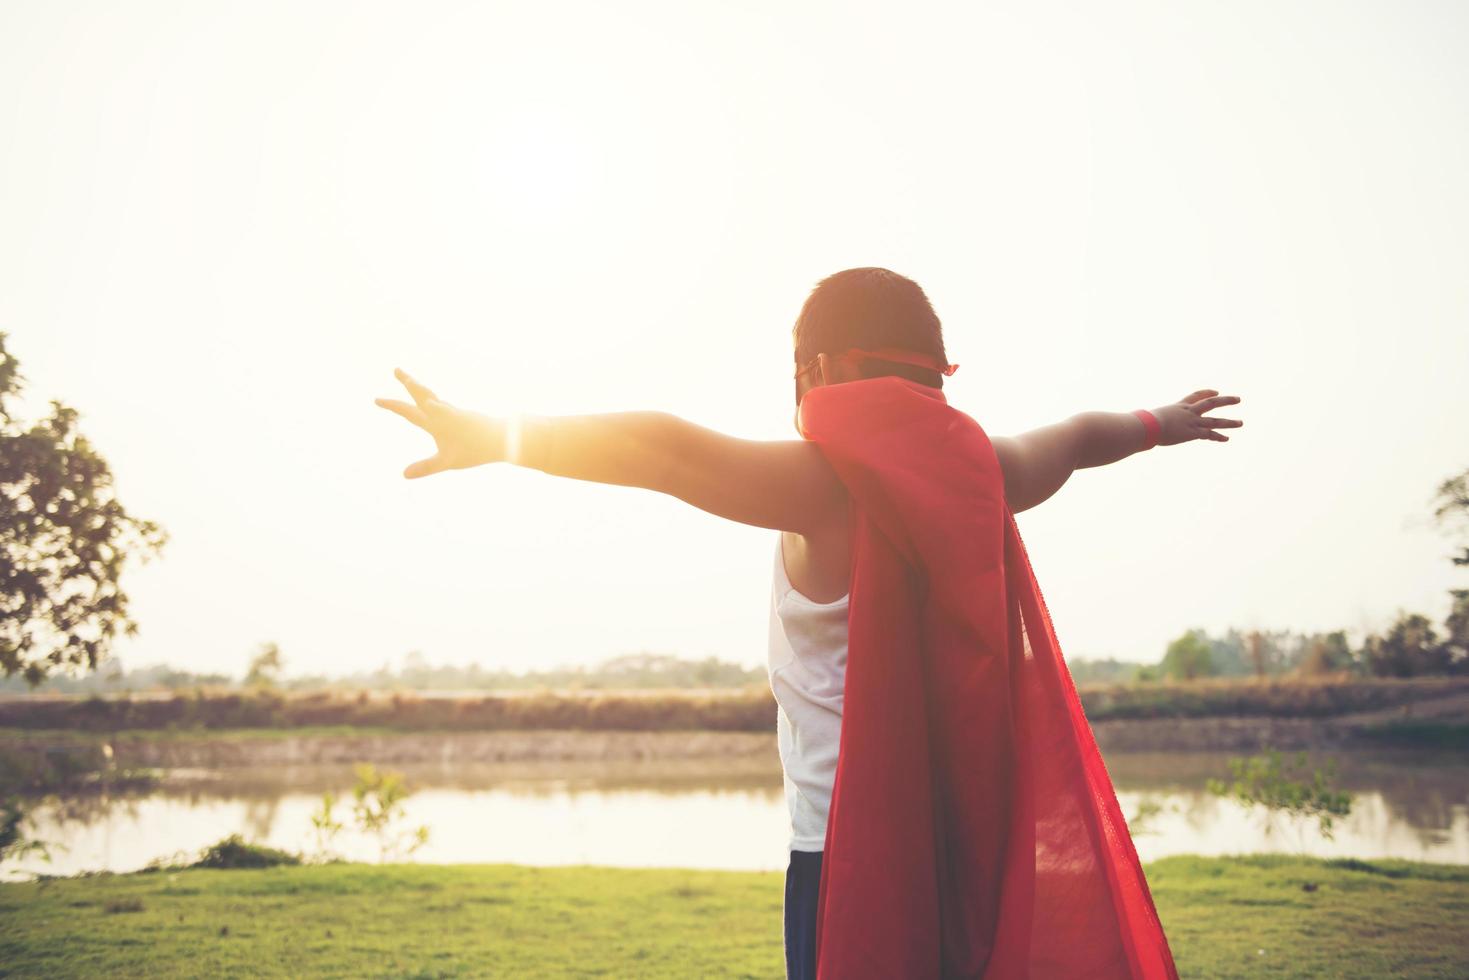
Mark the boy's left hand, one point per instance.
(462, 438)
(1184, 420)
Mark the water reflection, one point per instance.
(713, 814)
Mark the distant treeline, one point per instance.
(752, 709)
(1409, 648)
(637, 671)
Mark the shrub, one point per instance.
(235, 852)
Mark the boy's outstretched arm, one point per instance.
(785, 485)
(1038, 462)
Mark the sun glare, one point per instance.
(538, 168)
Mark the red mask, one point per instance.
(891, 354)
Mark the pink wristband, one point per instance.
(1150, 422)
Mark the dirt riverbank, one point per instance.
(233, 730)
(223, 750)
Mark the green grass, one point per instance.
(1253, 917)
(1231, 917)
(397, 921)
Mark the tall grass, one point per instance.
(750, 709)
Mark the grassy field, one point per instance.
(1240, 917)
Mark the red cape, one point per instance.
(973, 829)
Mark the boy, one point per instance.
(950, 813)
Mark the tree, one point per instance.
(1259, 652)
(1452, 511)
(64, 540)
(1188, 657)
(265, 666)
(1408, 649)
(1327, 653)
(1147, 674)
(1456, 644)
(1452, 499)
(1227, 654)
(1108, 670)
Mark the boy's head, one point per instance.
(867, 309)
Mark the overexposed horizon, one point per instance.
(222, 227)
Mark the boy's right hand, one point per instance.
(462, 438)
(1185, 421)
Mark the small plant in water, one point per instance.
(1291, 788)
(377, 810)
(326, 828)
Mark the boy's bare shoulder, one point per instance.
(1011, 454)
(1007, 451)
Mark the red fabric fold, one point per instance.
(973, 829)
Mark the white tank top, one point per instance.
(808, 663)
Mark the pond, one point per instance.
(710, 814)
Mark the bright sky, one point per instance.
(223, 225)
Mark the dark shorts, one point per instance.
(803, 884)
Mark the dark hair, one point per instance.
(870, 308)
